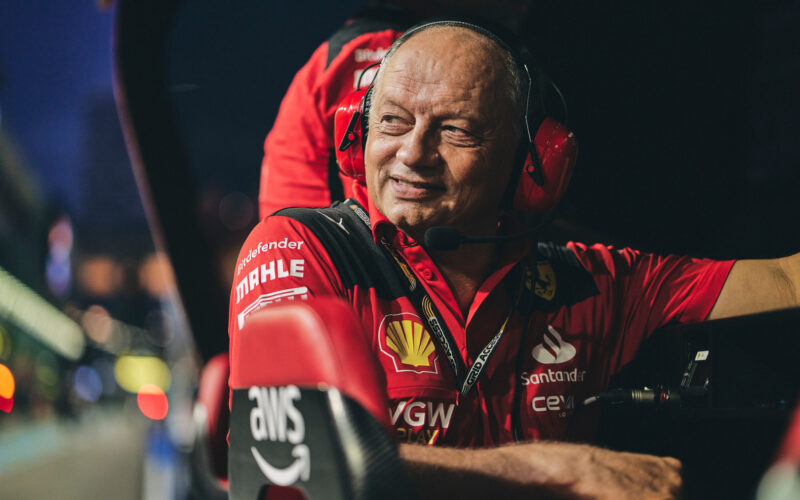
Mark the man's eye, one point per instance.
(455, 130)
(392, 124)
(459, 135)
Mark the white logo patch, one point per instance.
(269, 271)
(270, 420)
(553, 348)
(340, 223)
(419, 413)
(270, 298)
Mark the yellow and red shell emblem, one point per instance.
(405, 340)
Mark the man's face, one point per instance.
(441, 136)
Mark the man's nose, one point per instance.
(419, 149)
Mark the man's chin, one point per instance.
(414, 226)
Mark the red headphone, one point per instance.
(543, 177)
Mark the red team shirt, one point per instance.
(594, 307)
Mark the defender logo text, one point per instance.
(553, 348)
(269, 271)
(266, 247)
(270, 420)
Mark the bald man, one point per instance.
(485, 348)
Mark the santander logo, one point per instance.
(553, 348)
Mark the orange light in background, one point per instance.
(155, 274)
(152, 402)
(100, 275)
(6, 389)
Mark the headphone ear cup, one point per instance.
(348, 134)
(557, 150)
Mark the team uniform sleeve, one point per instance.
(299, 150)
(280, 261)
(294, 169)
(641, 292)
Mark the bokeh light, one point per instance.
(87, 384)
(152, 401)
(57, 268)
(98, 324)
(155, 275)
(100, 276)
(7, 387)
(133, 372)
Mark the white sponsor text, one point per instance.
(269, 271)
(265, 247)
(418, 413)
(270, 420)
(553, 376)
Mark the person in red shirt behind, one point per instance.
(485, 347)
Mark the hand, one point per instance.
(590, 472)
(542, 470)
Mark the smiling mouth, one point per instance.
(425, 186)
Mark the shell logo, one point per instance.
(406, 341)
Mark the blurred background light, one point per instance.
(58, 268)
(100, 276)
(34, 315)
(155, 275)
(133, 372)
(98, 324)
(87, 384)
(152, 402)
(6, 389)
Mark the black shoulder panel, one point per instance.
(368, 20)
(348, 241)
(566, 283)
